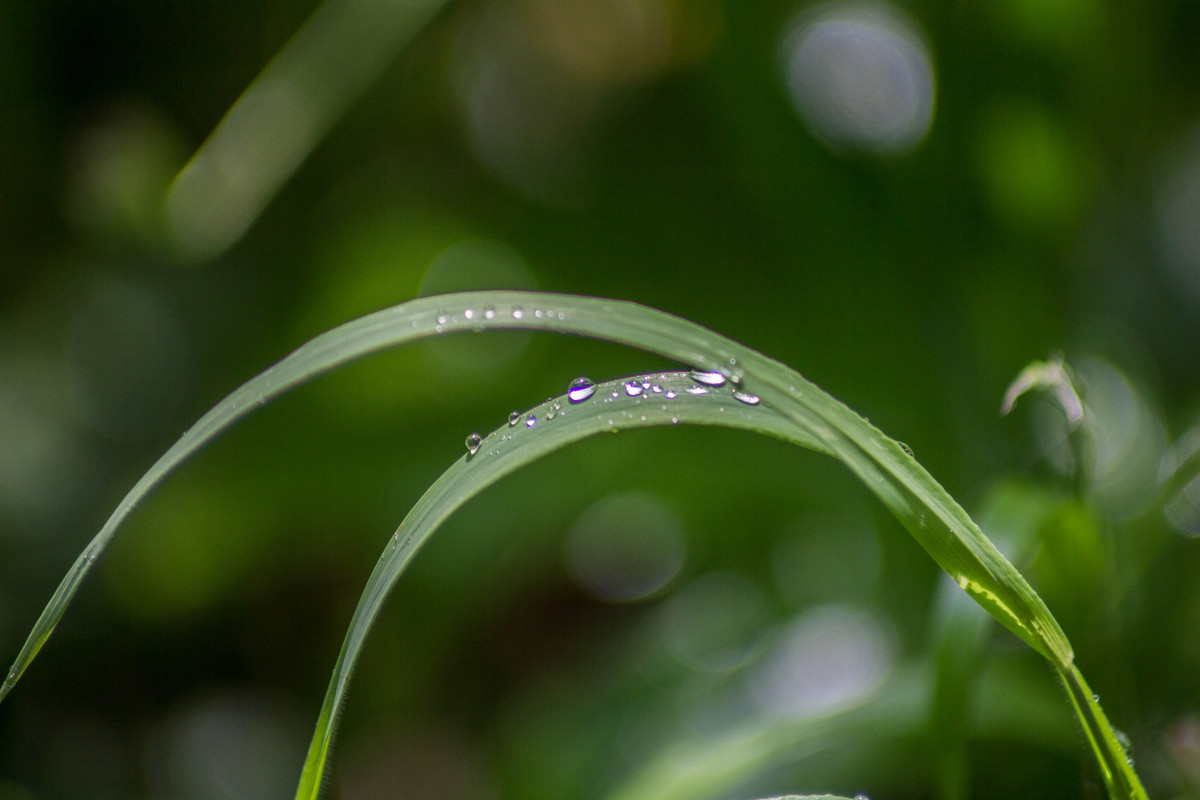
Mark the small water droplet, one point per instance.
(443, 319)
(537, 312)
(530, 421)
(474, 442)
(633, 389)
(674, 420)
(489, 312)
(707, 378)
(747, 398)
(581, 389)
(670, 395)
(514, 418)
(469, 314)
(696, 390)
(1095, 698)
(551, 413)
(907, 450)
(517, 313)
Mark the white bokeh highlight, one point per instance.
(861, 77)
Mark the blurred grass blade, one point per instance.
(933, 518)
(667, 398)
(283, 115)
(709, 767)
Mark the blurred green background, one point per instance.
(907, 203)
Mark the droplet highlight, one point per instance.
(707, 378)
(746, 397)
(474, 442)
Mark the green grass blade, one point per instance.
(933, 518)
(667, 398)
(1116, 764)
(283, 115)
(709, 767)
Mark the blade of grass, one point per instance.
(283, 115)
(930, 515)
(711, 767)
(612, 406)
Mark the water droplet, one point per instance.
(474, 442)
(469, 314)
(581, 389)
(656, 389)
(514, 418)
(517, 313)
(907, 449)
(1095, 698)
(707, 378)
(489, 312)
(696, 390)
(670, 395)
(551, 413)
(530, 421)
(745, 397)
(633, 389)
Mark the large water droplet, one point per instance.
(517, 313)
(633, 388)
(581, 389)
(707, 378)
(474, 442)
(514, 418)
(530, 421)
(747, 398)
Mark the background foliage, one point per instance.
(663, 152)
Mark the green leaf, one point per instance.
(933, 518)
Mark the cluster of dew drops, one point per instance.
(581, 389)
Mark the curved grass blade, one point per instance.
(933, 518)
(667, 398)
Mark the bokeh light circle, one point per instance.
(861, 77)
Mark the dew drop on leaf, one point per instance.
(745, 397)
(474, 442)
(708, 378)
(581, 389)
